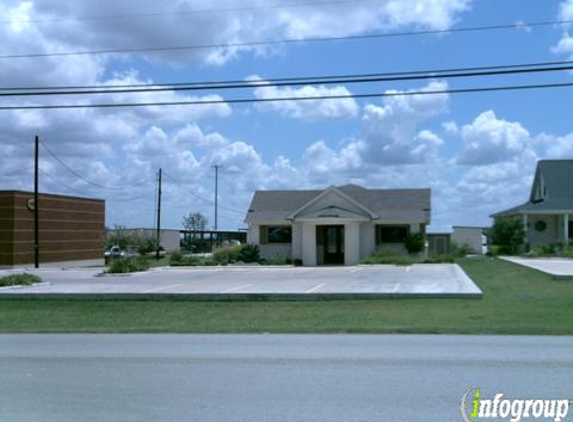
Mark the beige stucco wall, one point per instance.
(297, 241)
(470, 236)
(367, 239)
(253, 234)
(275, 250)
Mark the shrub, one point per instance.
(236, 253)
(278, 260)
(128, 265)
(19, 280)
(414, 243)
(119, 237)
(545, 250)
(441, 259)
(388, 257)
(175, 258)
(249, 253)
(460, 251)
(508, 233)
(227, 254)
(145, 244)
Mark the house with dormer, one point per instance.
(337, 225)
(547, 215)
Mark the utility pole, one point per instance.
(216, 167)
(36, 207)
(158, 234)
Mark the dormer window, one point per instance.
(540, 190)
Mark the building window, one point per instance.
(391, 234)
(280, 234)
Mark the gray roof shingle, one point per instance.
(558, 178)
(391, 204)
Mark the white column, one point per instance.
(309, 244)
(525, 229)
(566, 229)
(351, 243)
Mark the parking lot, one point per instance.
(383, 280)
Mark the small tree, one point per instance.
(414, 243)
(118, 237)
(195, 221)
(145, 243)
(508, 233)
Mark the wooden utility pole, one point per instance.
(158, 234)
(216, 167)
(36, 207)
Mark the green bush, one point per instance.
(249, 253)
(145, 244)
(227, 254)
(278, 260)
(128, 265)
(236, 253)
(384, 256)
(414, 243)
(19, 280)
(441, 259)
(175, 258)
(554, 249)
(178, 260)
(508, 233)
(460, 251)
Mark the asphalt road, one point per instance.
(274, 378)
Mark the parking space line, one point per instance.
(315, 288)
(408, 268)
(158, 289)
(396, 287)
(234, 289)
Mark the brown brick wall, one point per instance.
(70, 228)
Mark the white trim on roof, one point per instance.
(334, 189)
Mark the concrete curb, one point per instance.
(234, 297)
(22, 286)
(219, 267)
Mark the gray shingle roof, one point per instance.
(392, 204)
(558, 178)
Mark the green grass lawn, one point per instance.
(517, 300)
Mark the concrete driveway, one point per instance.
(556, 267)
(382, 280)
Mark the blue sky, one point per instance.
(476, 151)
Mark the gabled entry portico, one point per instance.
(331, 221)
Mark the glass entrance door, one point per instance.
(334, 245)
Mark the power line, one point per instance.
(210, 202)
(79, 176)
(294, 98)
(190, 12)
(273, 81)
(65, 185)
(82, 192)
(292, 40)
(350, 79)
(133, 199)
